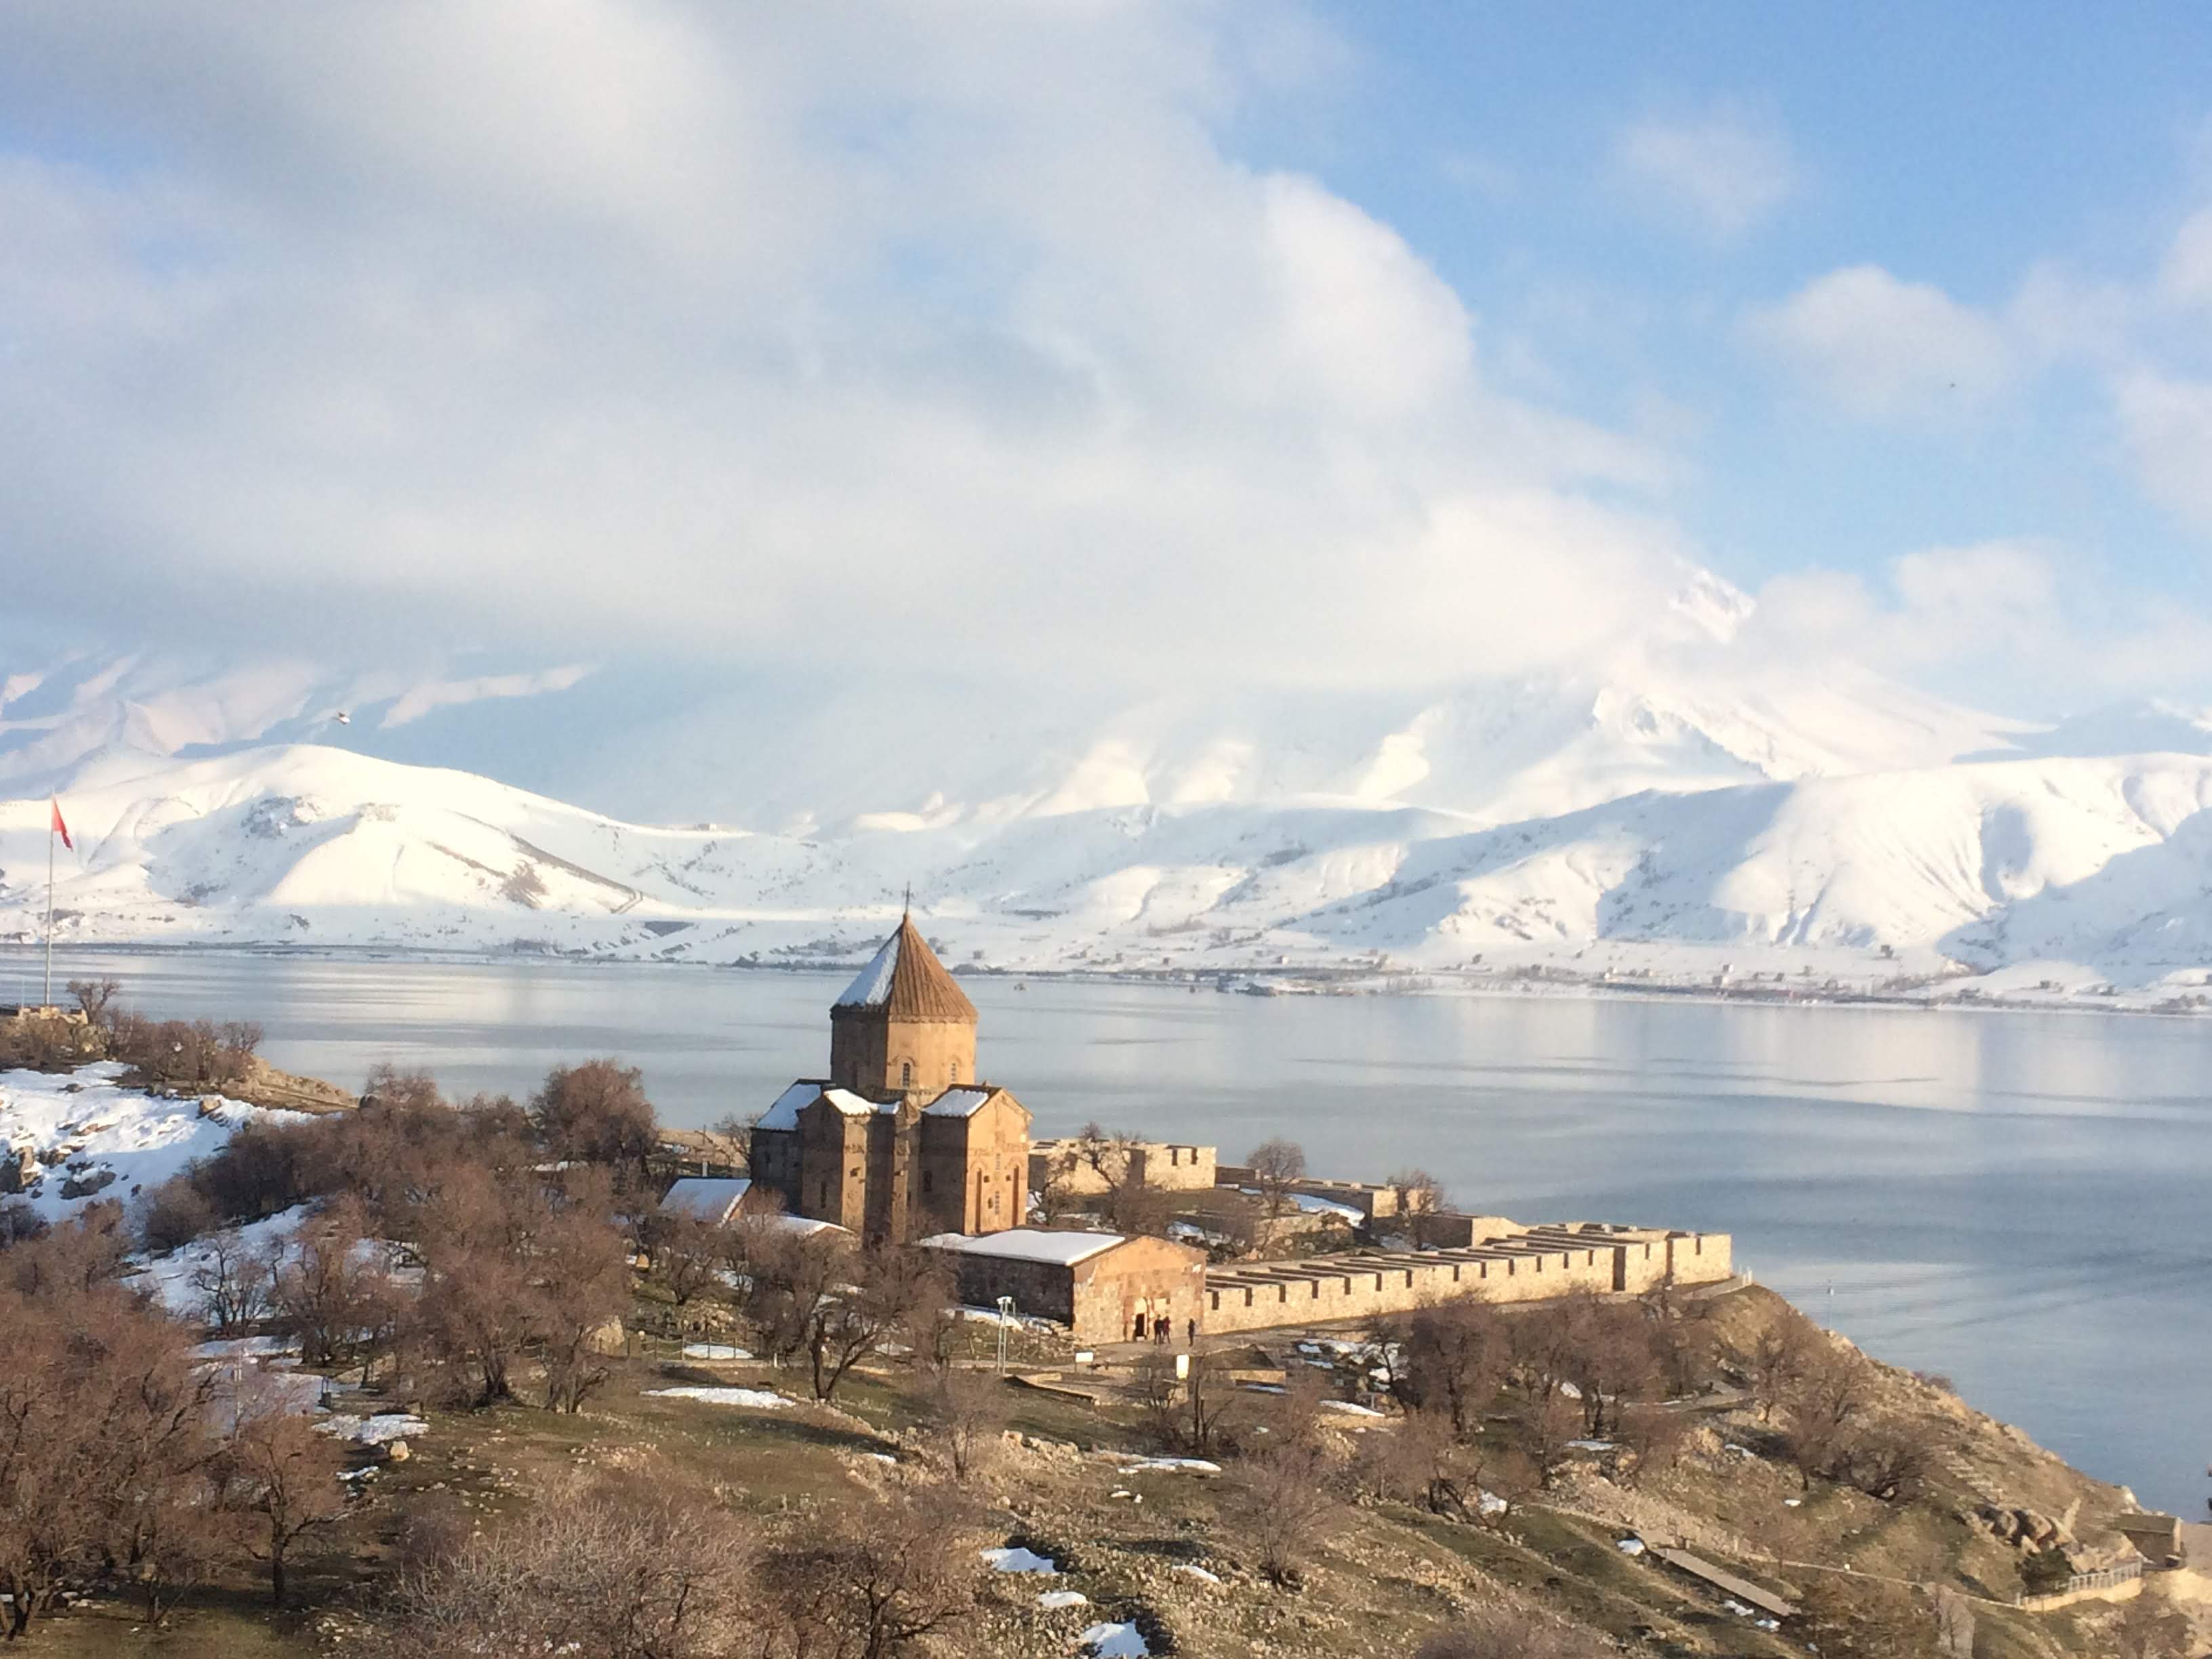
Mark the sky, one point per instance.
(1111, 343)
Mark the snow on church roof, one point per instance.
(906, 979)
(784, 1113)
(959, 1102)
(1063, 1249)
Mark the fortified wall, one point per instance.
(1526, 1264)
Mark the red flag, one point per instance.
(59, 827)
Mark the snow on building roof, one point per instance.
(704, 1198)
(1063, 1248)
(959, 1102)
(906, 981)
(850, 1103)
(784, 1114)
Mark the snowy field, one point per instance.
(95, 1140)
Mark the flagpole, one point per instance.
(50, 911)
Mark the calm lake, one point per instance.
(2016, 1200)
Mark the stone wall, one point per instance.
(1170, 1166)
(1530, 1264)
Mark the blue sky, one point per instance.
(1962, 146)
(1120, 342)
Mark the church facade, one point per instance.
(902, 1140)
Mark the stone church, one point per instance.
(902, 1140)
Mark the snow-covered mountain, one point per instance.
(1687, 808)
(2103, 863)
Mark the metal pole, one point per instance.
(49, 1000)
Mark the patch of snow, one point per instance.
(1589, 1445)
(378, 1430)
(1197, 1572)
(1490, 1503)
(248, 1347)
(1350, 1409)
(1171, 1466)
(1013, 1560)
(1631, 1547)
(1123, 1641)
(1054, 1600)
(715, 1351)
(756, 1399)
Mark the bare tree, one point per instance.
(103, 1423)
(1651, 1437)
(872, 1582)
(580, 1282)
(967, 1411)
(1778, 1353)
(412, 1090)
(1287, 1507)
(230, 1280)
(1277, 1165)
(280, 1472)
(1189, 1413)
(686, 1254)
(597, 1113)
(1954, 1627)
(1832, 1388)
(1456, 1358)
(639, 1567)
(95, 997)
(897, 1286)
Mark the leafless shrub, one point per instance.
(173, 1214)
(641, 1568)
(868, 1582)
(1287, 1507)
(967, 1413)
(1508, 1631)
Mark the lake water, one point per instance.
(2017, 1201)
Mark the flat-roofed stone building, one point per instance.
(900, 1138)
(1105, 1287)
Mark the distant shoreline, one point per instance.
(1266, 983)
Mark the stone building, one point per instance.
(1084, 1165)
(1104, 1287)
(902, 1139)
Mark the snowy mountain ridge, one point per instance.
(2068, 868)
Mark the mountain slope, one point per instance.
(2104, 863)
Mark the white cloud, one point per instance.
(751, 334)
(1936, 605)
(2167, 423)
(2185, 276)
(1724, 170)
(423, 698)
(1876, 346)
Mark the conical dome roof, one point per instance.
(907, 982)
